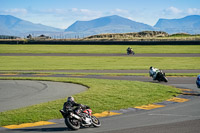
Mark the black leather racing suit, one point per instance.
(74, 104)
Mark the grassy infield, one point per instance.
(99, 63)
(102, 94)
(97, 49)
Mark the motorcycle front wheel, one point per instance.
(96, 122)
(72, 123)
(165, 79)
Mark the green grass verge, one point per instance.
(103, 74)
(102, 95)
(96, 63)
(98, 48)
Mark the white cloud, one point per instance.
(173, 10)
(120, 12)
(171, 13)
(80, 12)
(193, 11)
(85, 11)
(74, 9)
(16, 11)
(83, 14)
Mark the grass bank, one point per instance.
(96, 63)
(98, 48)
(102, 95)
(100, 74)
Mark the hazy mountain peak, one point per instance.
(189, 24)
(10, 25)
(108, 24)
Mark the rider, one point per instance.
(153, 72)
(71, 103)
(129, 49)
(79, 107)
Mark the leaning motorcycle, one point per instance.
(130, 51)
(161, 77)
(83, 119)
(198, 83)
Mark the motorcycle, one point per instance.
(198, 81)
(198, 84)
(83, 119)
(130, 51)
(161, 77)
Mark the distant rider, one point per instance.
(153, 72)
(129, 50)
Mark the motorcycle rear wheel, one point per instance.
(96, 122)
(72, 123)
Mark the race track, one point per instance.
(174, 117)
(171, 118)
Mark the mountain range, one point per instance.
(10, 25)
(188, 24)
(110, 24)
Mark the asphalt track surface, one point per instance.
(20, 93)
(175, 117)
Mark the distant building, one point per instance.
(43, 37)
(8, 37)
(29, 36)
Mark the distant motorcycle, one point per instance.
(161, 76)
(198, 84)
(84, 119)
(130, 51)
(198, 81)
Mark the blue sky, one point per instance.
(63, 13)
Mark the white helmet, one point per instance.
(70, 99)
